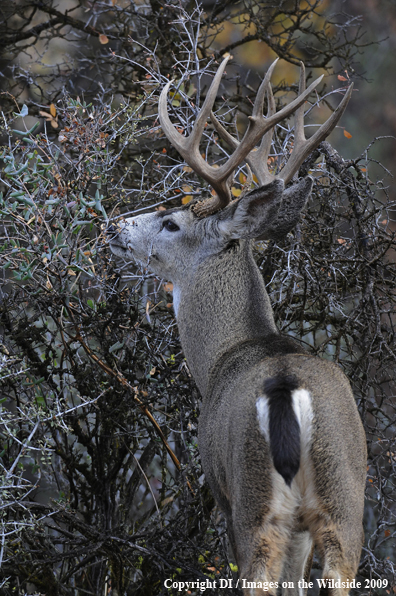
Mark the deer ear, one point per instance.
(293, 201)
(252, 213)
(269, 212)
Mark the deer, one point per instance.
(281, 441)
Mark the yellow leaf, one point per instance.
(242, 178)
(187, 169)
(186, 199)
(103, 39)
(235, 191)
(347, 134)
(255, 178)
(53, 110)
(186, 188)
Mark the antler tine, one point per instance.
(205, 111)
(188, 147)
(257, 108)
(258, 105)
(257, 159)
(302, 147)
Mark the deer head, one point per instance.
(173, 242)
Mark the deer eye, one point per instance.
(170, 226)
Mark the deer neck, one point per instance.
(221, 304)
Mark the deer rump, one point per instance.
(271, 452)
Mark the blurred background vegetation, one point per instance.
(101, 490)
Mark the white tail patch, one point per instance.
(262, 407)
(302, 407)
(303, 410)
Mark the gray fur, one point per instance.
(232, 346)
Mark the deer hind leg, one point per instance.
(297, 564)
(340, 558)
(265, 563)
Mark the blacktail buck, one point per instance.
(281, 441)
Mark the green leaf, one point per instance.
(34, 127)
(21, 133)
(117, 346)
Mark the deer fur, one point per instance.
(282, 444)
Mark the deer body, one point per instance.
(282, 445)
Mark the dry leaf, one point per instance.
(168, 287)
(341, 78)
(347, 134)
(53, 110)
(341, 241)
(49, 118)
(363, 170)
(103, 39)
(387, 533)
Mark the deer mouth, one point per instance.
(117, 245)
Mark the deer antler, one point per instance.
(259, 128)
(257, 159)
